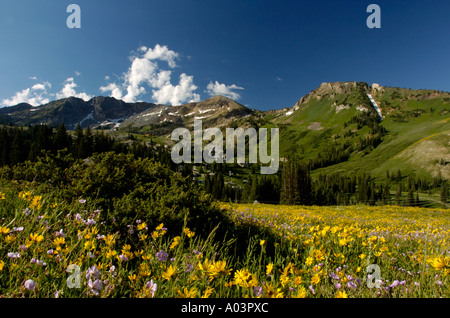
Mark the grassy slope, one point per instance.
(416, 120)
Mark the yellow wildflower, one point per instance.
(341, 294)
(439, 262)
(301, 293)
(175, 242)
(144, 270)
(9, 239)
(89, 245)
(284, 279)
(25, 195)
(2, 264)
(36, 237)
(36, 202)
(315, 279)
(218, 268)
(59, 241)
(4, 230)
(170, 271)
(141, 226)
(241, 276)
(188, 232)
(269, 268)
(2, 196)
(208, 291)
(138, 253)
(111, 254)
(109, 239)
(270, 292)
(297, 281)
(191, 293)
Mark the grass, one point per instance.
(299, 252)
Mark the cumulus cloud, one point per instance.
(145, 71)
(160, 53)
(115, 90)
(224, 90)
(35, 95)
(69, 91)
(40, 94)
(175, 95)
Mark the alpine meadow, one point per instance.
(145, 181)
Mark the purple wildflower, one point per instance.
(395, 283)
(92, 272)
(90, 222)
(257, 290)
(30, 284)
(351, 285)
(162, 256)
(152, 287)
(95, 287)
(13, 255)
(334, 276)
(60, 233)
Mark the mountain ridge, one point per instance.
(334, 128)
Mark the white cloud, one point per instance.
(145, 71)
(224, 90)
(34, 78)
(176, 95)
(39, 93)
(35, 95)
(69, 91)
(161, 53)
(115, 90)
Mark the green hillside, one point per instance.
(338, 125)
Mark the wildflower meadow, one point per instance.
(51, 248)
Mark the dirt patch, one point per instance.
(315, 126)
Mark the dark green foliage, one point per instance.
(125, 188)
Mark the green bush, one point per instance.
(125, 189)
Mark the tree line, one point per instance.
(20, 144)
(294, 185)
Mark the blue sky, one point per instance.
(264, 54)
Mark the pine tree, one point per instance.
(444, 191)
(61, 139)
(77, 148)
(17, 148)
